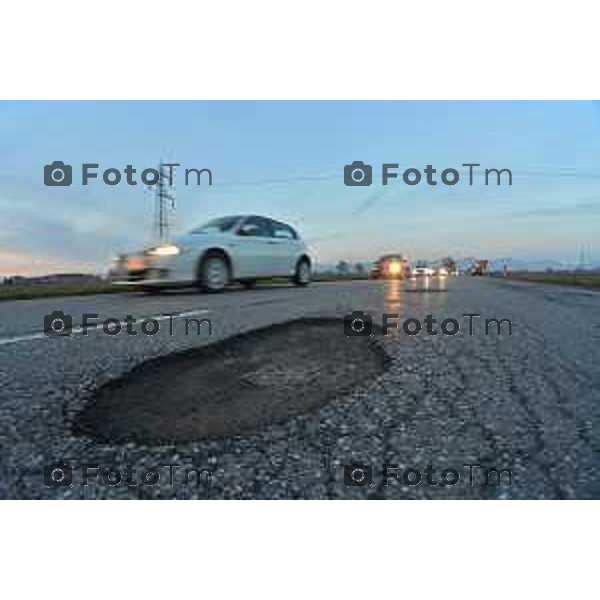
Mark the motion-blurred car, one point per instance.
(423, 270)
(238, 248)
(391, 266)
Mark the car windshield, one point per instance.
(217, 225)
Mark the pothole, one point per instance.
(238, 385)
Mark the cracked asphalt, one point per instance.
(528, 402)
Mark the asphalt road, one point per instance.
(528, 402)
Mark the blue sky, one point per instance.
(286, 159)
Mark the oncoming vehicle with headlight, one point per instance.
(242, 248)
(391, 266)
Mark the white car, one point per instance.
(423, 271)
(236, 248)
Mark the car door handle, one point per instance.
(271, 243)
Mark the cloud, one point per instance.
(41, 242)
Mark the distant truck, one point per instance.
(480, 267)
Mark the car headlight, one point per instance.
(394, 268)
(167, 250)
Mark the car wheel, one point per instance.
(302, 276)
(214, 273)
(249, 284)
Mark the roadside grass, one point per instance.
(335, 277)
(588, 280)
(30, 292)
(315, 277)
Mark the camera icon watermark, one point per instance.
(360, 324)
(61, 474)
(58, 324)
(58, 173)
(357, 324)
(358, 173)
(358, 474)
(58, 474)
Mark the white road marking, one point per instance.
(76, 330)
(21, 338)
